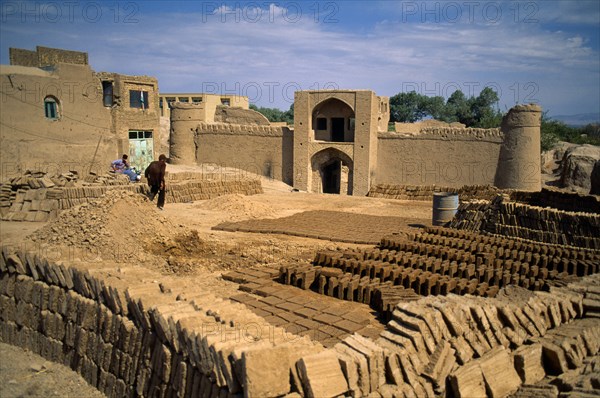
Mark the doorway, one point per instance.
(141, 149)
(337, 129)
(331, 177)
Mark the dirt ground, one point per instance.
(25, 374)
(186, 249)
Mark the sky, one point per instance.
(542, 51)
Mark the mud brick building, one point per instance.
(58, 114)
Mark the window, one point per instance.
(184, 99)
(138, 99)
(136, 135)
(196, 100)
(225, 101)
(107, 93)
(51, 107)
(321, 123)
(351, 123)
(170, 101)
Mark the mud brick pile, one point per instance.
(500, 216)
(43, 204)
(189, 191)
(425, 192)
(437, 261)
(235, 175)
(328, 225)
(129, 335)
(7, 196)
(557, 199)
(304, 313)
(467, 346)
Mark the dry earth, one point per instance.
(178, 242)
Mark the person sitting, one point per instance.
(121, 166)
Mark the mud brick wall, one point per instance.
(549, 225)
(189, 191)
(268, 150)
(425, 192)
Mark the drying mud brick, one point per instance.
(501, 378)
(266, 372)
(322, 375)
(528, 363)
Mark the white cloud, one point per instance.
(190, 51)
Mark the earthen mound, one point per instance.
(119, 226)
(238, 207)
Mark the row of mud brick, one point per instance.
(514, 219)
(319, 224)
(466, 342)
(425, 192)
(44, 204)
(189, 191)
(557, 199)
(147, 342)
(384, 276)
(299, 312)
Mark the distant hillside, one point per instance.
(580, 119)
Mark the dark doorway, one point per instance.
(331, 175)
(337, 129)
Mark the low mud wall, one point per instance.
(43, 204)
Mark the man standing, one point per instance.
(155, 174)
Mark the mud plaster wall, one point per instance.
(264, 150)
(438, 158)
(43, 56)
(29, 140)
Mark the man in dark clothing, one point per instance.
(155, 174)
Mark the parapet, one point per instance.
(239, 129)
(46, 56)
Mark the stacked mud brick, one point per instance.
(325, 320)
(487, 347)
(425, 192)
(438, 261)
(43, 204)
(189, 191)
(327, 225)
(567, 201)
(129, 336)
(209, 173)
(7, 196)
(500, 216)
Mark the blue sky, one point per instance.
(545, 52)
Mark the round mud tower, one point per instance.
(519, 166)
(184, 120)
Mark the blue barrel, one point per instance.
(445, 205)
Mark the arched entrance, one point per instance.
(332, 172)
(333, 120)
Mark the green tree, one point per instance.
(408, 107)
(275, 114)
(480, 111)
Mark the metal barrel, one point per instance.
(445, 205)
